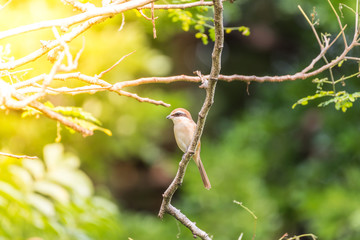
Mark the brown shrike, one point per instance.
(184, 129)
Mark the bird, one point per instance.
(184, 129)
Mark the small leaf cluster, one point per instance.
(342, 100)
(74, 114)
(203, 24)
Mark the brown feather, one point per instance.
(201, 168)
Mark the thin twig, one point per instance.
(353, 58)
(322, 46)
(3, 6)
(197, 232)
(178, 6)
(312, 26)
(153, 20)
(252, 214)
(340, 24)
(17, 156)
(356, 31)
(83, 7)
(112, 67)
(122, 22)
(143, 14)
(142, 99)
(47, 46)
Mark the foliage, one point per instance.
(52, 199)
(74, 114)
(341, 99)
(202, 23)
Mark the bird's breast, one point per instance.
(184, 132)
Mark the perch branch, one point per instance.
(166, 206)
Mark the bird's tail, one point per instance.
(203, 174)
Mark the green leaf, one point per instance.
(199, 35)
(185, 26)
(175, 19)
(351, 98)
(212, 34)
(320, 94)
(200, 28)
(91, 126)
(341, 63)
(76, 112)
(337, 105)
(245, 30)
(204, 39)
(29, 112)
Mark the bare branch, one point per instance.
(141, 99)
(197, 232)
(122, 22)
(103, 12)
(17, 156)
(83, 7)
(339, 22)
(153, 19)
(3, 6)
(179, 6)
(356, 31)
(312, 27)
(353, 58)
(47, 46)
(110, 68)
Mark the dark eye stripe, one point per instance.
(178, 114)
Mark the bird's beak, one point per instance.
(169, 117)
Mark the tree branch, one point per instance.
(179, 6)
(94, 12)
(187, 222)
(210, 86)
(17, 156)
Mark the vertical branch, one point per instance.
(356, 32)
(209, 85)
(153, 20)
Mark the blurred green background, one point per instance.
(297, 170)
